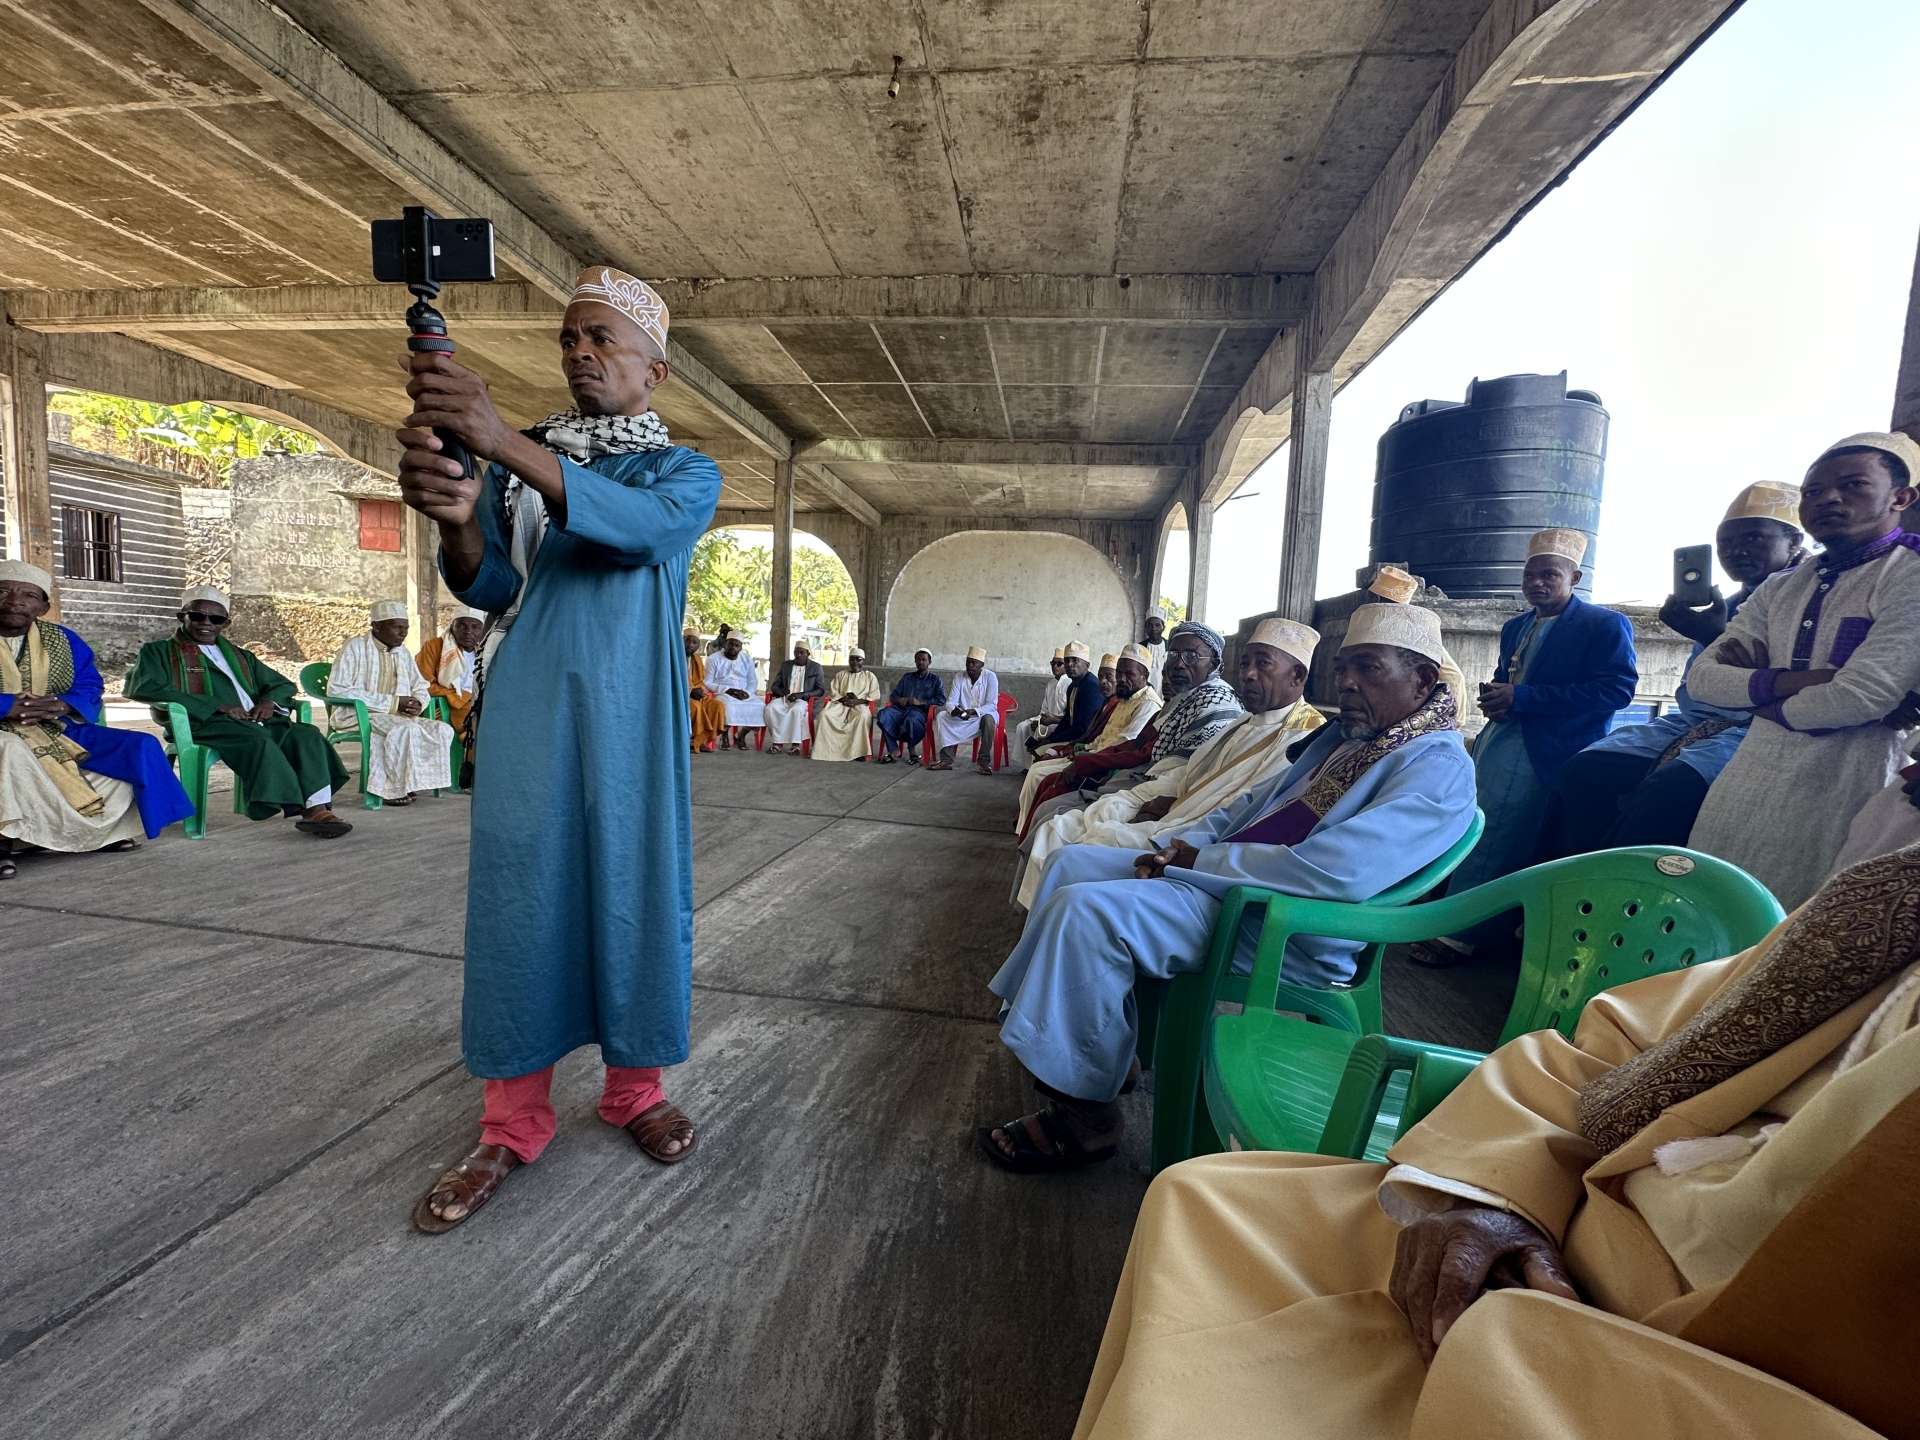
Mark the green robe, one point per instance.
(279, 763)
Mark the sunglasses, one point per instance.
(205, 619)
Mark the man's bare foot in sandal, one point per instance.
(1061, 1135)
(664, 1133)
(463, 1189)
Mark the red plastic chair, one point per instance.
(806, 745)
(930, 751)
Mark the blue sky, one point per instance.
(1729, 270)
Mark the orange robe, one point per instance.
(428, 660)
(709, 714)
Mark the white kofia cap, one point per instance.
(1411, 627)
(1289, 637)
(974, 652)
(388, 610)
(1567, 544)
(208, 594)
(628, 294)
(21, 571)
(1139, 655)
(1077, 651)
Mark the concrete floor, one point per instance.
(234, 1065)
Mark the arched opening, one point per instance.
(1173, 564)
(1017, 594)
(730, 581)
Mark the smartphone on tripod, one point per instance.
(423, 252)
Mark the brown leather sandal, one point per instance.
(656, 1125)
(471, 1182)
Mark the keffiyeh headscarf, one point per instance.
(1204, 711)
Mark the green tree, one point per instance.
(731, 583)
(822, 590)
(1176, 612)
(196, 439)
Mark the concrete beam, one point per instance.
(780, 637)
(995, 452)
(1906, 387)
(1224, 301)
(841, 493)
(1523, 102)
(23, 449)
(263, 43)
(120, 366)
(1306, 493)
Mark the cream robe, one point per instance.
(1128, 719)
(34, 812)
(409, 752)
(737, 674)
(1051, 709)
(1242, 756)
(841, 733)
(1256, 1285)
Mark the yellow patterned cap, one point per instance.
(1766, 500)
(1567, 544)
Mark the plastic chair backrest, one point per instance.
(1428, 878)
(1601, 920)
(314, 677)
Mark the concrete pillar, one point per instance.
(23, 435)
(422, 543)
(1906, 389)
(1306, 486)
(873, 602)
(1200, 557)
(780, 644)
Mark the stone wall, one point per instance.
(299, 630)
(208, 517)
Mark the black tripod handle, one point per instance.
(427, 335)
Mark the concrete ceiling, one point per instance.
(209, 148)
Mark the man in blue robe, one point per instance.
(1365, 804)
(1644, 784)
(903, 722)
(580, 883)
(50, 707)
(1565, 667)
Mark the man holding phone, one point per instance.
(1643, 784)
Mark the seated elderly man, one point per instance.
(1129, 710)
(1366, 803)
(972, 712)
(1694, 1219)
(796, 685)
(1251, 749)
(239, 708)
(407, 752)
(706, 712)
(733, 680)
(1199, 705)
(1052, 706)
(67, 784)
(844, 728)
(446, 663)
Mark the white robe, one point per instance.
(737, 674)
(964, 694)
(787, 718)
(842, 732)
(1249, 752)
(1051, 709)
(1158, 651)
(34, 812)
(408, 753)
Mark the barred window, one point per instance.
(379, 524)
(90, 545)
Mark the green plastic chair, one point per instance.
(1588, 923)
(438, 709)
(313, 680)
(194, 761)
(1174, 1017)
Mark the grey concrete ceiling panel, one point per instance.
(1267, 29)
(956, 353)
(1140, 414)
(963, 412)
(987, 34)
(1238, 352)
(1209, 403)
(877, 409)
(800, 410)
(1038, 158)
(1050, 412)
(1058, 354)
(746, 354)
(837, 354)
(1157, 354)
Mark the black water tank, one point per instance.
(1460, 487)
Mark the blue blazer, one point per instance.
(1584, 671)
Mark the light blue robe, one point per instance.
(580, 882)
(1068, 986)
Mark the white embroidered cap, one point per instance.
(1107, 662)
(1390, 582)
(21, 571)
(1139, 655)
(856, 653)
(1900, 447)
(628, 294)
(467, 612)
(1567, 544)
(974, 652)
(1156, 613)
(1411, 627)
(208, 594)
(384, 610)
(1289, 637)
(1060, 652)
(1077, 651)
(1766, 500)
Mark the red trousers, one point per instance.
(519, 1115)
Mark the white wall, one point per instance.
(1018, 594)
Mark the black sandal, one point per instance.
(7, 868)
(1028, 1158)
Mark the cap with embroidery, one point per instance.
(21, 571)
(1077, 651)
(1289, 637)
(1107, 662)
(1766, 500)
(1394, 584)
(628, 294)
(1900, 447)
(388, 610)
(974, 652)
(1410, 627)
(1567, 544)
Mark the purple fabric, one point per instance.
(1847, 637)
(1760, 687)
(1288, 825)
